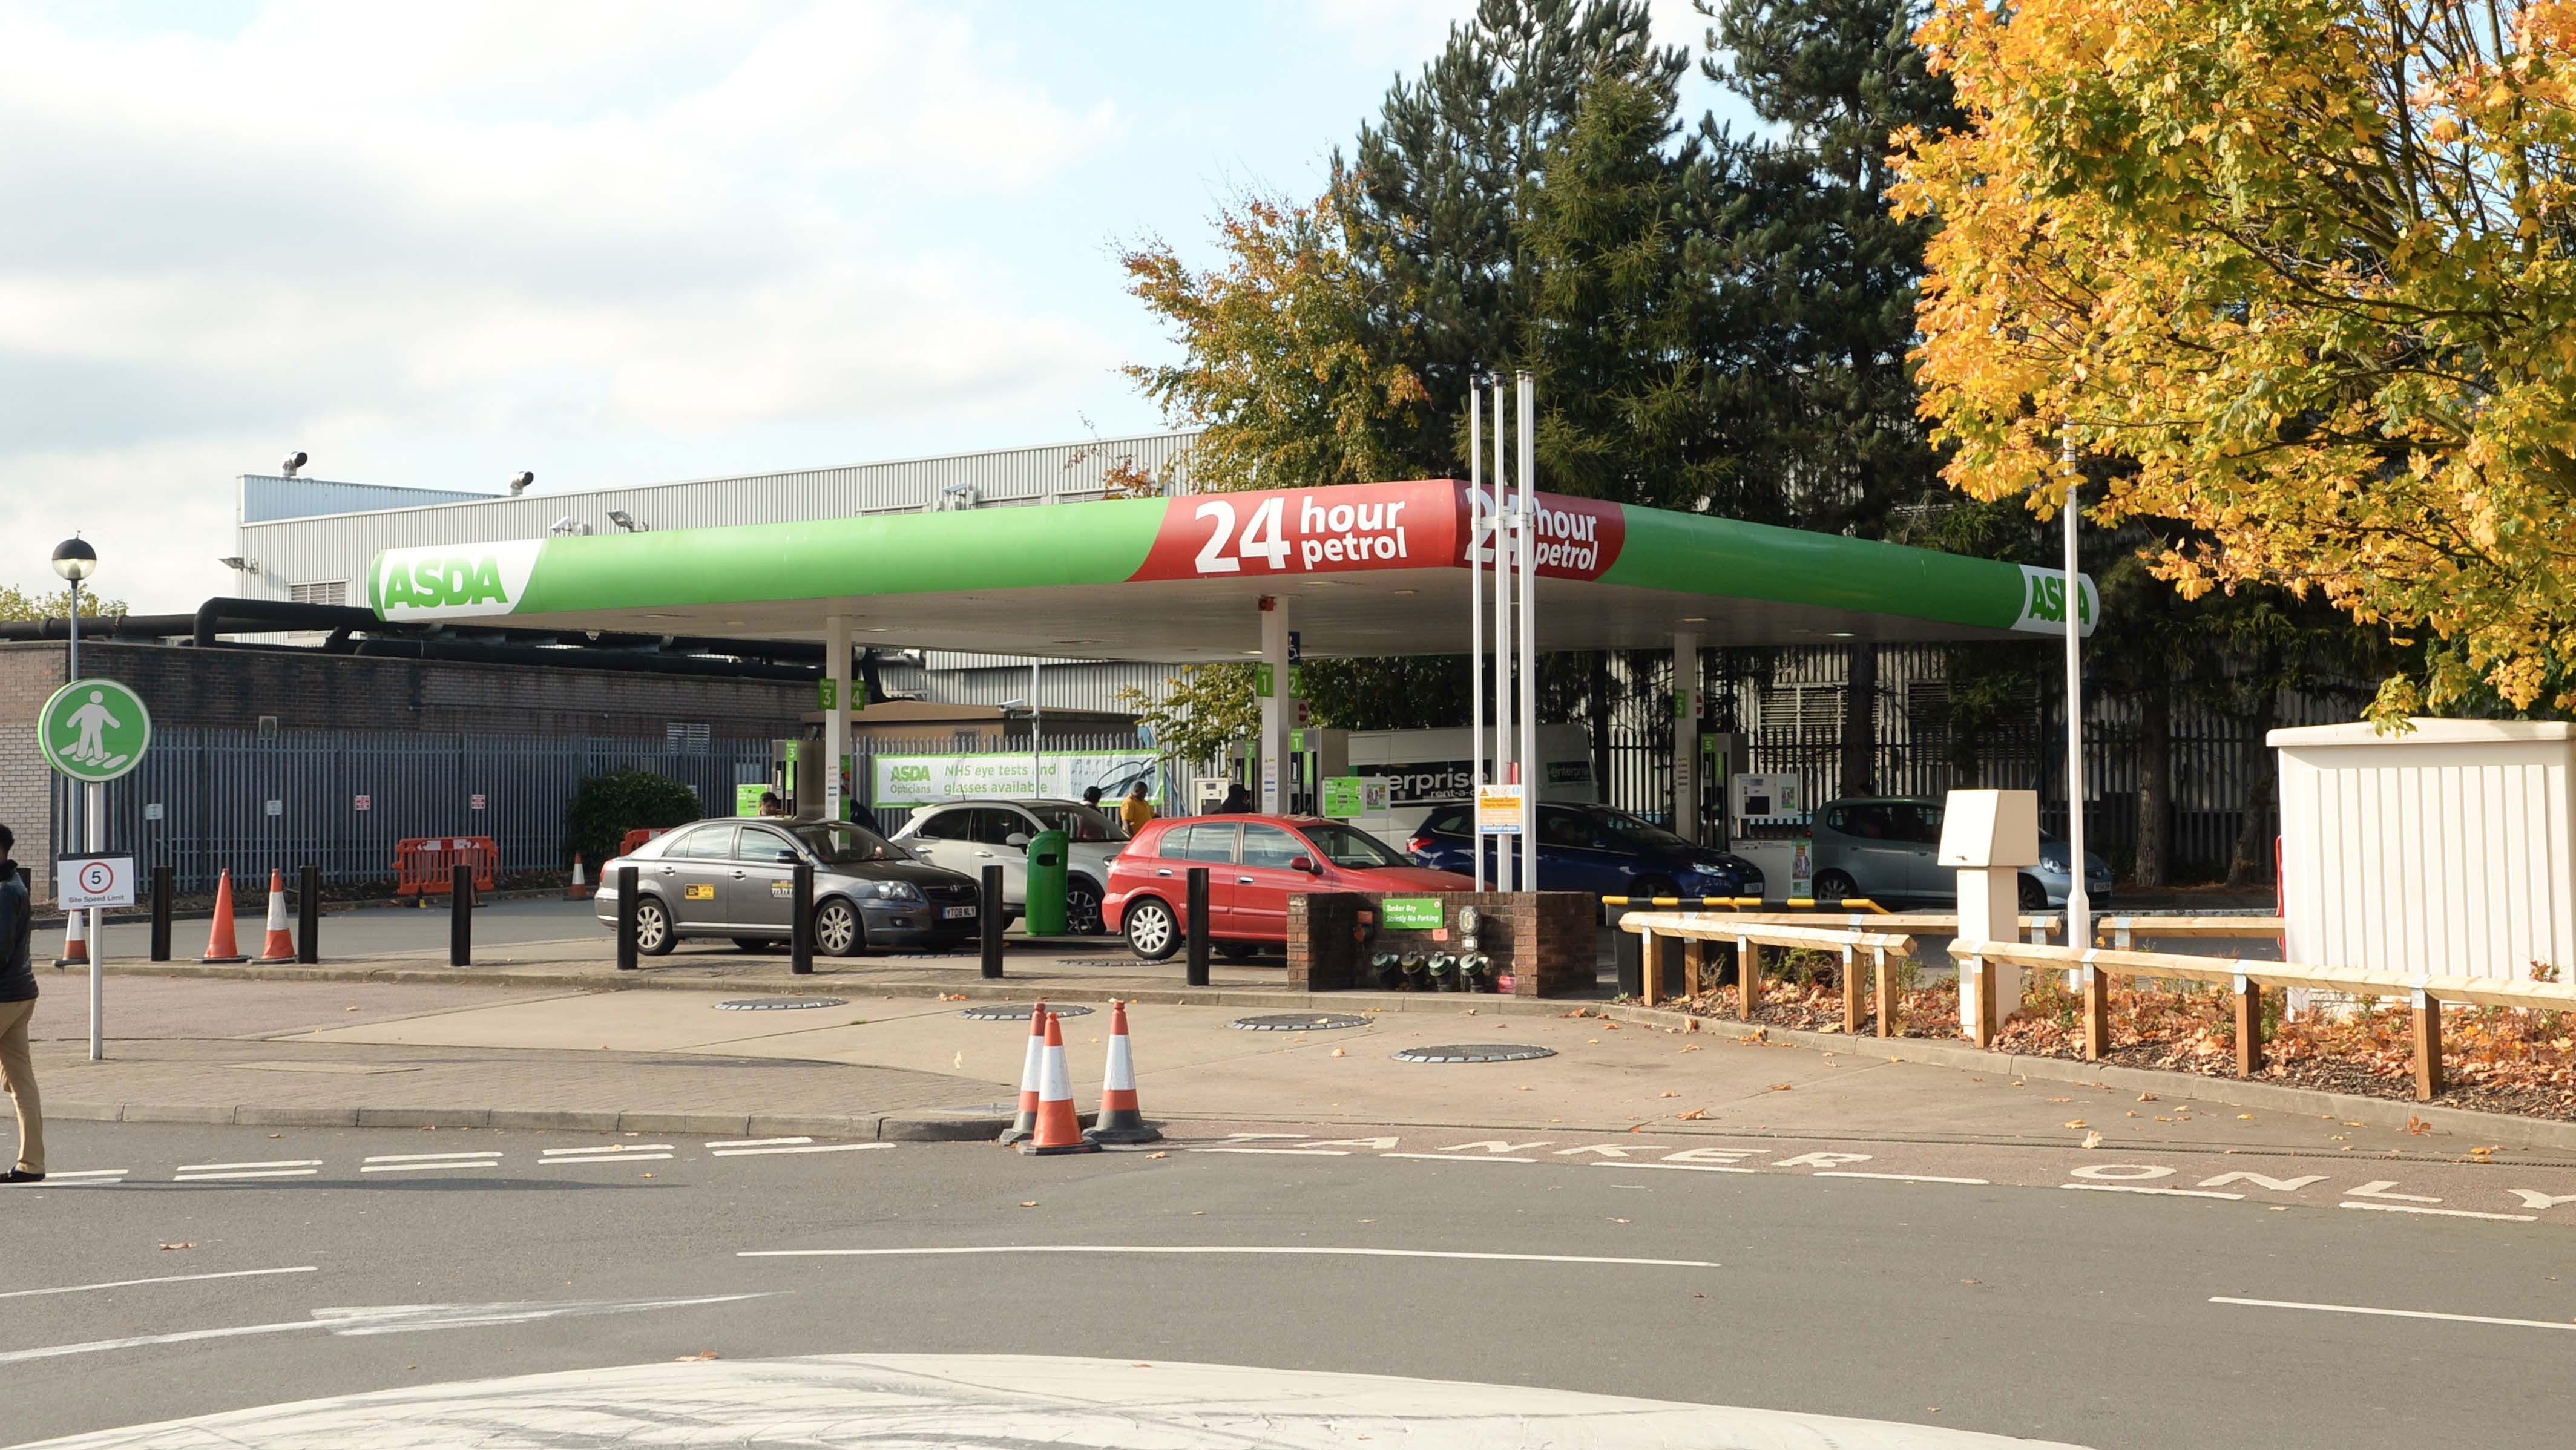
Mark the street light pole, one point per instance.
(74, 561)
(2079, 907)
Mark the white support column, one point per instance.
(96, 811)
(1685, 741)
(1037, 735)
(1504, 745)
(836, 720)
(1274, 706)
(2079, 908)
(1476, 520)
(1532, 771)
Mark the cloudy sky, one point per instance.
(609, 242)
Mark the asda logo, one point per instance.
(451, 582)
(2043, 602)
(909, 773)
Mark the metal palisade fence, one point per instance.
(204, 800)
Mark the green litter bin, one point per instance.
(1049, 852)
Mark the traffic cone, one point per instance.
(1119, 1120)
(580, 886)
(219, 940)
(75, 940)
(280, 946)
(1059, 1131)
(1032, 1071)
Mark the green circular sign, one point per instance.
(93, 730)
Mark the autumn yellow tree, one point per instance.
(2304, 273)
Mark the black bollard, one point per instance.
(627, 894)
(800, 931)
(460, 916)
(991, 914)
(163, 889)
(1198, 920)
(308, 914)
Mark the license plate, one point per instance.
(959, 913)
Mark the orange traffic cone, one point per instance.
(75, 940)
(580, 886)
(1059, 1131)
(219, 940)
(280, 946)
(1119, 1120)
(1032, 1070)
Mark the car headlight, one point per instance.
(897, 891)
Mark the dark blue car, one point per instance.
(1594, 849)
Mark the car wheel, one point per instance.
(1237, 951)
(1152, 931)
(2034, 897)
(837, 932)
(1082, 907)
(754, 944)
(1835, 886)
(653, 934)
(1643, 890)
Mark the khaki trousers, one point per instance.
(18, 1075)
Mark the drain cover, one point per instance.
(779, 1004)
(1475, 1052)
(1017, 1012)
(1298, 1022)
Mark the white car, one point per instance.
(969, 835)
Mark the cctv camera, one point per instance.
(293, 462)
(519, 483)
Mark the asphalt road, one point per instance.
(2077, 1317)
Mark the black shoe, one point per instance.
(21, 1175)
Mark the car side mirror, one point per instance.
(1305, 864)
(787, 858)
(1019, 839)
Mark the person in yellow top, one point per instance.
(1135, 810)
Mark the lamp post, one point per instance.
(75, 561)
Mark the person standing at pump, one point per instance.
(1091, 796)
(1237, 802)
(17, 1005)
(1135, 810)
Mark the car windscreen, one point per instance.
(1643, 834)
(1344, 846)
(1079, 823)
(838, 843)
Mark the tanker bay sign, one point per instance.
(93, 730)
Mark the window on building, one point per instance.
(320, 591)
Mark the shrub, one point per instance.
(608, 806)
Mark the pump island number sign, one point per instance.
(93, 730)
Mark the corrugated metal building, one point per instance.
(311, 539)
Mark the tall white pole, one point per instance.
(1531, 767)
(97, 919)
(1476, 610)
(1503, 751)
(1037, 762)
(2079, 909)
(836, 720)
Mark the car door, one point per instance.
(1920, 827)
(761, 888)
(945, 838)
(1258, 910)
(993, 827)
(694, 871)
(1204, 843)
(1574, 854)
(1874, 850)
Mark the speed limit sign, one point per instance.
(88, 881)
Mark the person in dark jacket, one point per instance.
(17, 1005)
(1237, 802)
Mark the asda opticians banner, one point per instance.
(912, 780)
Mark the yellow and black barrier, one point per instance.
(1743, 903)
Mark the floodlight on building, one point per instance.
(625, 521)
(238, 564)
(293, 462)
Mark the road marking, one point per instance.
(1446, 1158)
(809, 1148)
(272, 1163)
(1681, 1167)
(164, 1279)
(1903, 1177)
(443, 1163)
(604, 1158)
(431, 1157)
(386, 1319)
(2394, 1313)
(2379, 1188)
(1282, 1152)
(1293, 1249)
(756, 1142)
(93, 1174)
(256, 1173)
(2159, 1192)
(2442, 1212)
(611, 1148)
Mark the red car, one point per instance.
(1254, 864)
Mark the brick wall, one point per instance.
(26, 791)
(1545, 940)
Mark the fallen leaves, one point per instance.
(189, 1244)
(2146, 1097)
(1028, 1203)
(1668, 1095)
(2093, 1140)
(1693, 1116)
(1782, 1087)
(1158, 1155)
(952, 996)
(703, 1354)
(2417, 1126)
(2074, 1123)
(1341, 1052)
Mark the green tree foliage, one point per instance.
(16, 603)
(609, 805)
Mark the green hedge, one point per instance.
(608, 806)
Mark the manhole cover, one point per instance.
(1298, 1022)
(780, 1004)
(1017, 1012)
(1475, 1052)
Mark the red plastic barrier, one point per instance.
(426, 865)
(638, 837)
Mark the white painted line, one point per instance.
(1681, 1167)
(431, 1157)
(431, 1167)
(385, 1319)
(1294, 1249)
(756, 1142)
(272, 1163)
(1283, 1152)
(1904, 1177)
(610, 1148)
(97, 1173)
(164, 1279)
(260, 1173)
(1461, 1158)
(810, 1148)
(2158, 1192)
(605, 1158)
(2443, 1212)
(2395, 1313)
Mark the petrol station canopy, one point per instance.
(1374, 569)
